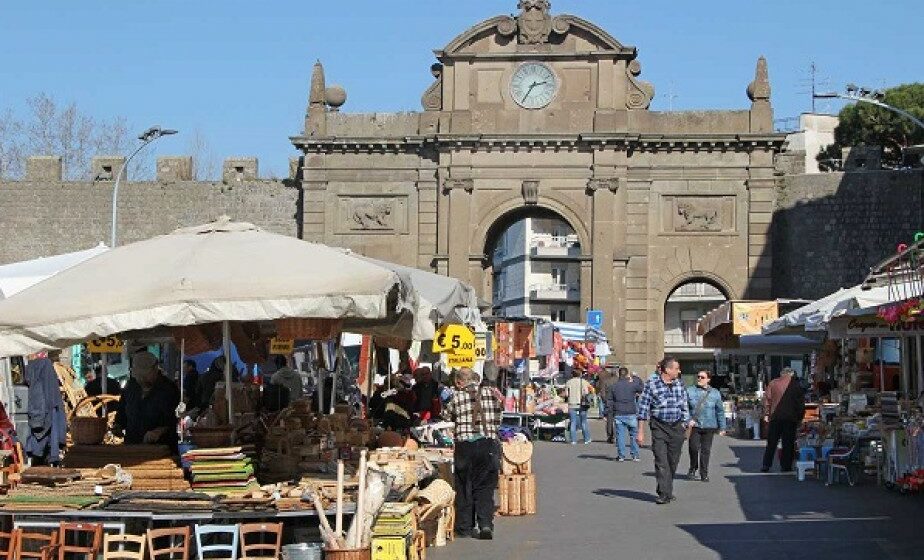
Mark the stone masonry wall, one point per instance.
(830, 228)
(48, 217)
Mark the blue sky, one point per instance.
(237, 71)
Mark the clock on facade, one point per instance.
(533, 85)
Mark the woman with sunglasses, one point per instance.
(707, 410)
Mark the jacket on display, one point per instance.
(47, 421)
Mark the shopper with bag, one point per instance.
(664, 404)
(580, 399)
(709, 415)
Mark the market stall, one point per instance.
(219, 285)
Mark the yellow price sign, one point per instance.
(454, 339)
(458, 361)
(281, 346)
(105, 345)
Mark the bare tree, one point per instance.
(205, 162)
(50, 129)
(11, 148)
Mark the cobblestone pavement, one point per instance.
(593, 507)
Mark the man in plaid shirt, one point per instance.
(664, 403)
(477, 413)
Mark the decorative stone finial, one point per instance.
(759, 89)
(335, 96)
(316, 95)
(316, 119)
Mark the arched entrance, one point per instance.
(533, 266)
(682, 310)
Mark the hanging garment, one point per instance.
(47, 421)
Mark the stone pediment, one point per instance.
(531, 29)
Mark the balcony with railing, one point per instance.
(548, 245)
(555, 292)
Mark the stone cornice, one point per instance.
(628, 141)
(467, 185)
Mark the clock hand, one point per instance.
(528, 91)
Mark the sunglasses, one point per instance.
(701, 377)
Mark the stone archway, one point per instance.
(688, 300)
(533, 264)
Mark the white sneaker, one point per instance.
(586, 443)
(573, 443)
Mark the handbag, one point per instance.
(587, 399)
(699, 408)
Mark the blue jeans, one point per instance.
(578, 415)
(622, 425)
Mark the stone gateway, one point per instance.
(541, 112)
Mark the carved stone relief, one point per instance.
(372, 214)
(698, 214)
(640, 92)
(534, 24)
(432, 99)
(530, 189)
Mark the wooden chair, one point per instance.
(70, 535)
(227, 551)
(8, 550)
(177, 543)
(38, 546)
(114, 547)
(268, 537)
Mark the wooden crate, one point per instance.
(517, 494)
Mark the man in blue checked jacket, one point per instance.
(664, 406)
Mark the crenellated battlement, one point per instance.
(169, 169)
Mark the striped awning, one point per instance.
(579, 332)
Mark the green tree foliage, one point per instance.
(866, 124)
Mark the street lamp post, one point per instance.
(146, 138)
(863, 95)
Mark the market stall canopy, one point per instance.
(726, 325)
(221, 271)
(817, 315)
(436, 300)
(579, 332)
(16, 277)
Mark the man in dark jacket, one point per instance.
(784, 404)
(147, 410)
(607, 379)
(621, 405)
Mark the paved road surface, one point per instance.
(593, 507)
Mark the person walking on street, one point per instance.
(607, 379)
(664, 404)
(622, 403)
(784, 403)
(476, 413)
(578, 404)
(709, 415)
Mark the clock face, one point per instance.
(533, 85)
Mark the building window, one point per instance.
(688, 326)
(557, 314)
(559, 276)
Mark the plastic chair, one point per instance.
(177, 543)
(40, 546)
(227, 551)
(840, 460)
(114, 547)
(93, 532)
(807, 454)
(261, 549)
(8, 552)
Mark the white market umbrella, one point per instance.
(16, 277)
(222, 271)
(437, 300)
(817, 315)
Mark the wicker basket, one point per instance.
(355, 554)
(88, 430)
(211, 437)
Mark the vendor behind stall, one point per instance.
(147, 410)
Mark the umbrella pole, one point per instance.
(226, 348)
(182, 360)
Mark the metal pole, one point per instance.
(115, 192)
(226, 348)
(182, 367)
